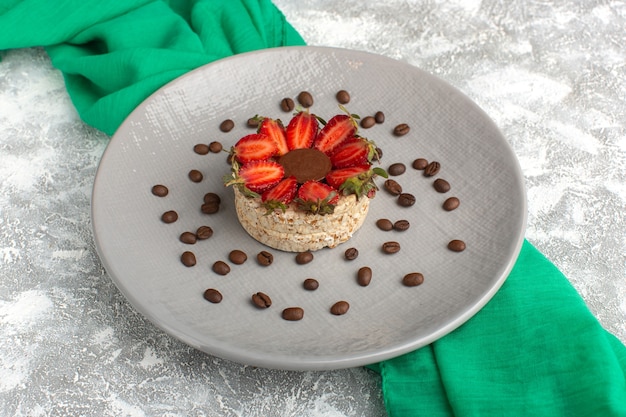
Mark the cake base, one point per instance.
(298, 231)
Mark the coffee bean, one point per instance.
(287, 104)
(201, 149)
(265, 258)
(401, 225)
(401, 129)
(293, 313)
(215, 147)
(221, 268)
(310, 284)
(343, 96)
(237, 256)
(253, 122)
(391, 247)
(160, 190)
(261, 300)
(367, 122)
(305, 99)
(227, 125)
(392, 187)
(379, 154)
(212, 295)
(406, 199)
(441, 185)
(351, 254)
(340, 308)
(364, 276)
(304, 257)
(451, 204)
(456, 245)
(204, 232)
(413, 279)
(195, 175)
(420, 164)
(210, 208)
(169, 216)
(396, 169)
(379, 117)
(188, 258)
(212, 198)
(432, 169)
(188, 238)
(384, 224)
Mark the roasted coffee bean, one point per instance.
(227, 125)
(212, 295)
(287, 104)
(384, 224)
(212, 198)
(379, 154)
(169, 216)
(401, 225)
(406, 199)
(351, 254)
(261, 300)
(304, 257)
(456, 245)
(392, 187)
(215, 147)
(367, 122)
(293, 313)
(343, 96)
(396, 169)
(401, 129)
(210, 208)
(265, 258)
(188, 238)
(305, 99)
(204, 232)
(364, 276)
(441, 185)
(340, 308)
(451, 204)
(201, 149)
(391, 247)
(221, 268)
(237, 256)
(379, 117)
(432, 169)
(195, 175)
(310, 284)
(420, 164)
(160, 190)
(188, 258)
(413, 279)
(252, 122)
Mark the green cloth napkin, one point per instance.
(534, 350)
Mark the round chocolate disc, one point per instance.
(305, 164)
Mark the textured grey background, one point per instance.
(551, 74)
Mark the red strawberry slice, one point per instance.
(301, 131)
(337, 177)
(352, 152)
(275, 130)
(254, 147)
(338, 129)
(284, 192)
(315, 192)
(258, 176)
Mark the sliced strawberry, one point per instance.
(254, 147)
(338, 177)
(276, 131)
(258, 176)
(317, 197)
(352, 152)
(301, 131)
(284, 192)
(338, 129)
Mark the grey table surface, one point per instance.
(552, 75)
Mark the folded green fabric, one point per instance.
(534, 350)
